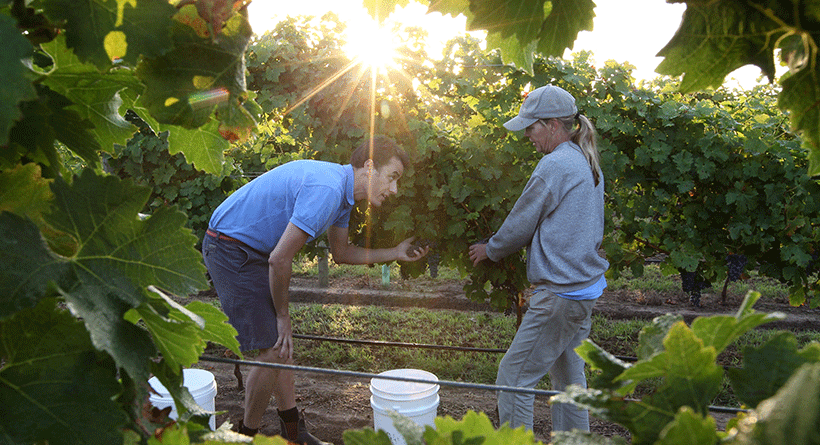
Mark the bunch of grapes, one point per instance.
(735, 265)
(692, 284)
(433, 256)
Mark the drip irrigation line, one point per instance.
(429, 346)
(513, 389)
(420, 345)
(371, 375)
(396, 343)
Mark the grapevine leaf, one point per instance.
(766, 368)
(716, 38)
(55, 386)
(203, 146)
(578, 437)
(609, 366)
(178, 341)
(800, 95)
(380, 9)
(451, 7)
(366, 436)
(118, 256)
(171, 377)
(511, 50)
(689, 428)
(473, 427)
(25, 192)
(409, 430)
(184, 85)
(650, 339)
(16, 86)
(217, 329)
(720, 331)
(49, 118)
(95, 96)
(29, 269)
(562, 25)
(100, 31)
(691, 376)
(790, 417)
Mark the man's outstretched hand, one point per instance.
(409, 252)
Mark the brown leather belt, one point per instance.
(221, 236)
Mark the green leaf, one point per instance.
(184, 85)
(118, 256)
(366, 436)
(720, 331)
(178, 341)
(562, 25)
(54, 385)
(23, 191)
(95, 96)
(217, 329)
(800, 94)
(689, 428)
(691, 377)
(610, 367)
(716, 38)
(203, 146)
(99, 31)
(16, 85)
(409, 430)
(475, 426)
(650, 339)
(790, 417)
(29, 270)
(767, 368)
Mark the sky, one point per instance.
(631, 34)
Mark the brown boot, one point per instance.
(297, 432)
(242, 429)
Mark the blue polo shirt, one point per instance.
(313, 195)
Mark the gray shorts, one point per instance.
(240, 277)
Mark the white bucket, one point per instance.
(200, 383)
(417, 401)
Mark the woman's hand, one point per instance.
(478, 253)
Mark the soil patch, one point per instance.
(332, 405)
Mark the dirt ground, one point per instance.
(332, 405)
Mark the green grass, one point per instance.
(482, 330)
(457, 328)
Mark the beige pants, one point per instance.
(551, 329)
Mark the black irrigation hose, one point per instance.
(429, 346)
(204, 358)
(370, 375)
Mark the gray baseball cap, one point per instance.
(542, 103)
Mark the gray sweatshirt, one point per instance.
(559, 217)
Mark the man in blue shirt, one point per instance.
(251, 243)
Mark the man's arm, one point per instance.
(346, 253)
(280, 265)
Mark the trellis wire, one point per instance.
(466, 385)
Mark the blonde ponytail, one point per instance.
(585, 136)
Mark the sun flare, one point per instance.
(371, 45)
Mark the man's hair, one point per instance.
(384, 149)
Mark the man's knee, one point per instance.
(271, 355)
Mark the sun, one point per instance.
(371, 45)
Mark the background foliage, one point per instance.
(87, 285)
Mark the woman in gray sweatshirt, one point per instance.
(559, 218)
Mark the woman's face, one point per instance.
(543, 135)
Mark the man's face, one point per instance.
(383, 181)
